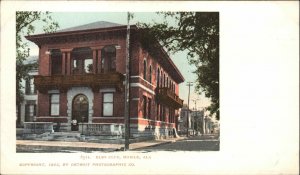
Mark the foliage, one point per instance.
(25, 26)
(197, 33)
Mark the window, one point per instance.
(157, 111)
(30, 112)
(167, 82)
(56, 62)
(108, 104)
(164, 81)
(149, 108)
(145, 69)
(145, 106)
(30, 88)
(82, 61)
(158, 78)
(54, 109)
(108, 59)
(150, 74)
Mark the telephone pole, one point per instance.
(195, 115)
(189, 84)
(126, 110)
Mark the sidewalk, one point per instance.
(60, 146)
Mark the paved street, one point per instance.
(193, 143)
(196, 143)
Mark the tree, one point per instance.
(198, 34)
(25, 26)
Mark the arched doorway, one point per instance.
(80, 111)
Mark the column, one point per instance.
(63, 69)
(99, 60)
(94, 61)
(66, 60)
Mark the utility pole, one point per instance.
(189, 84)
(195, 116)
(126, 109)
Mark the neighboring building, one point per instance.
(185, 120)
(81, 73)
(198, 121)
(26, 111)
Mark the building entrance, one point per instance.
(80, 111)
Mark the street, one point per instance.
(193, 143)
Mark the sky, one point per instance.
(71, 19)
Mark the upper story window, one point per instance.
(30, 88)
(108, 59)
(145, 69)
(167, 82)
(150, 74)
(56, 62)
(158, 77)
(82, 61)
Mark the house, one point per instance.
(26, 111)
(80, 81)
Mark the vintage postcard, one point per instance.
(100, 87)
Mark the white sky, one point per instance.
(70, 19)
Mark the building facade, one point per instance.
(80, 81)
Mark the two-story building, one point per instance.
(26, 111)
(81, 80)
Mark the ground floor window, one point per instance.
(145, 106)
(30, 112)
(149, 108)
(108, 104)
(54, 107)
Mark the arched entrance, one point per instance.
(80, 111)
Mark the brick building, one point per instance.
(80, 81)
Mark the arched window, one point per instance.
(108, 56)
(167, 82)
(82, 60)
(150, 74)
(145, 69)
(163, 83)
(161, 79)
(158, 77)
(56, 62)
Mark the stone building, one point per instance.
(80, 81)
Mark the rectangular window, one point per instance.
(145, 106)
(149, 108)
(108, 104)
(30, 112)
(30, 88)
(54, 109)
